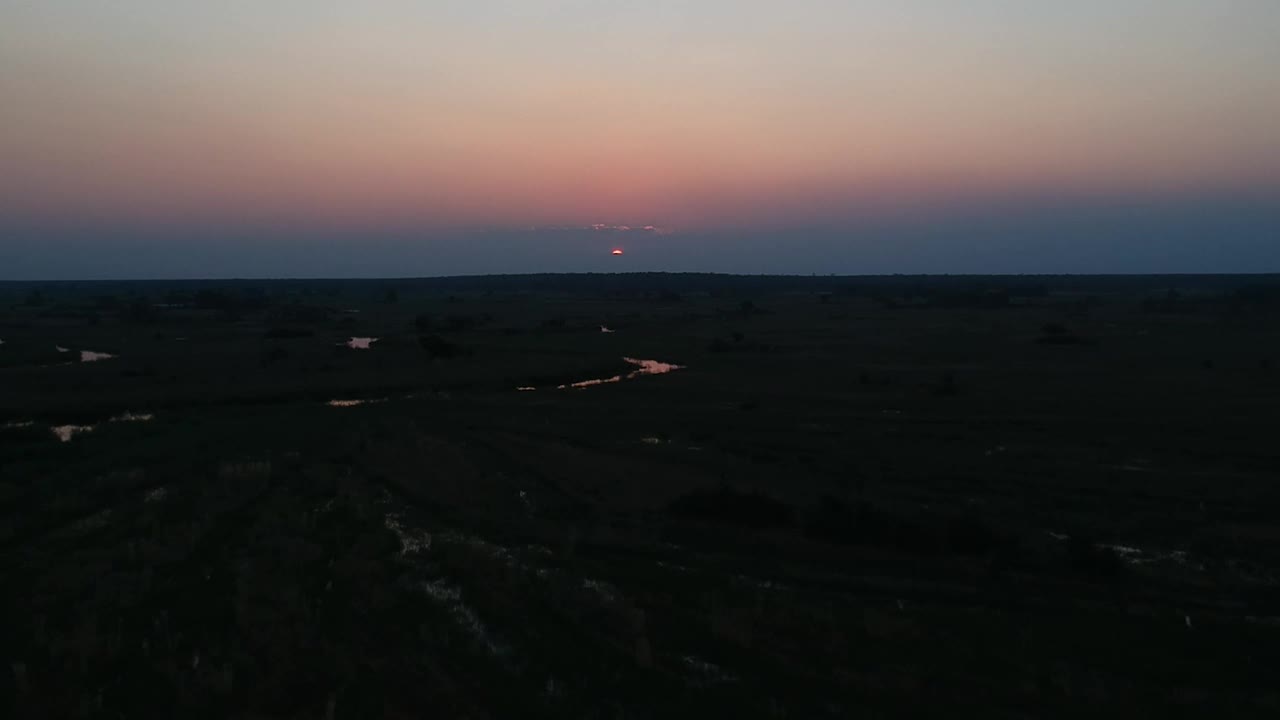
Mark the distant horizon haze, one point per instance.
(141, 138)
(1220, 236)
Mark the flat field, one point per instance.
(850, 497)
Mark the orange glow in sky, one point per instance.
(695, 115)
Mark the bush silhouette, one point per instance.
(734, 507)
(439, 348)
(1090, 558)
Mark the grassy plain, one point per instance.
(859, 497)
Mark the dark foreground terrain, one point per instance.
(859, 497)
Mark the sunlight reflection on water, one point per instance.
(64, 433)
(646, 367)
(355, 402)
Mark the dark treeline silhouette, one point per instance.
(206, 293)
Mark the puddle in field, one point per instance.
(92, 522)
(526, 388)
(416, 540)
(606, 591)
(673, 566)
(17, 424)
(61, 349)
(526, 502)
(361, 343)
(450, 596)
(64, 433)
(705, 673)
(411, 540)
(1138, 556)
(605, 329)
(355, 402)
(91, 356)
(645, 367)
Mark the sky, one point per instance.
(291, 138)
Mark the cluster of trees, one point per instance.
(454, 322)
(1059, 334)
(863, 523)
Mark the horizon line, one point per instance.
(833, 276)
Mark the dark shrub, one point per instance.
(1058, 334)
(946, 386)
(274, 355)
(286, 333)
(969, 535)
(439, 348)
(1263, 600)
(1090, 558)
(1060, 340)
(300, 314)
(1054, 329)
(861, 523)
(139, 311)
(734, 507)
(459, 323)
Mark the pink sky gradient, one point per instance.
(702, 115)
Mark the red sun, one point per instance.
(617, 251)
